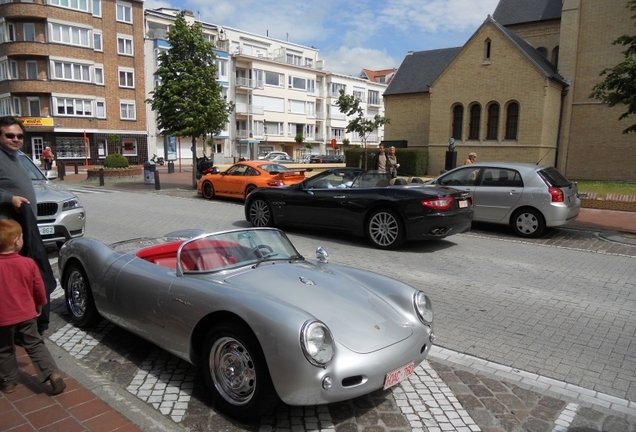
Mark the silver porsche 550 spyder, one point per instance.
(262, 322)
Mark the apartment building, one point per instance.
(73, 72)
(280, 90)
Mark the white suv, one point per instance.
(60, 212)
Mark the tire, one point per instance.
(249, 189)
(79, 300)
(385, 229)
(208, 190)
(527, 223)
(260, 213)
(236, 372)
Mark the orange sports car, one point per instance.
(242, 178)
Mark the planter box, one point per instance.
(133, 173)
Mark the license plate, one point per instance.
(398, 375)
(463, 204)
(46, 230)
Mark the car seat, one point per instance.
(397, 181)
(487, 180)
(503, 178)
(211, 261)
(415, 180)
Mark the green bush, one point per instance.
(413, 161)
(116, 161)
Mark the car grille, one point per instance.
(47, 209)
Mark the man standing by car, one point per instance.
(16, 195)
(379, 160)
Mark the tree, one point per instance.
(619, 85)
(188, 100)
(360, 124)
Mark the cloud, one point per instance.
(351, 61)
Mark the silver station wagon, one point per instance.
(527, 197)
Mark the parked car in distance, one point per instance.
(281, 159)
(60, 212)
(268, 155)
(327, 159)
(528, 197)
(242, 178)
(263, 323)
(367, 204)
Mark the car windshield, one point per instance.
(554, 178)
(34, 171)
(231, 249)
(273, 167)
(372, 179)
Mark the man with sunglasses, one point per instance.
(16, 191)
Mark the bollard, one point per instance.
(61, 170)
(157, 184)
(101, 176)
(76, 170)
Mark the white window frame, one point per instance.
(28, 29)
(97, 8)
(98, 73)
(10, 32)
(125, 45)
(281, 79)
(17, 106)
(31, 63)
(13, 68)
(80, 5)
(100, 105)
(221, 69)
(293, 81)
(69, 71)
(125, 107)
(4, 70)
(71, 105)
(124, 12)
(31, 99)
(63, 33)
(98, 41)
(128, 76)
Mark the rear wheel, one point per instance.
(208, 190)
(79, 297)
(236, 372)
(249, 189)
(385, 229)
(528, 223)
(260, 213)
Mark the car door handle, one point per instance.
(339, 196)
(514, 192)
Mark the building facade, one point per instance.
(73, 72)
(280, 90)
(518, 90)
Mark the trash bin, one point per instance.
(149, 172)
(170, 167)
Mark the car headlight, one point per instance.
(71, 204)
(317, 343)
(423, 307)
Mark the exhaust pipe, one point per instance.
(438, 231)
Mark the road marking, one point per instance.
(562, 424)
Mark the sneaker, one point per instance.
(57, 383)
(9, 388)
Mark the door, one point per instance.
(496, 194)
(37, 145)
(321, 203)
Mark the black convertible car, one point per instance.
(387, 211)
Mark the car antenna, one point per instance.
(543, 157)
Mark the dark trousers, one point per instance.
(34, 345)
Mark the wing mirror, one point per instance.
(322, 255)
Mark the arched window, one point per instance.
(512, 121)
(543, 51)
(555, 57)
(458, 120)
(493, 122)
(475, 118)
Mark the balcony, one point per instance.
(23, 49)
(24, 11)
(245, 109)
(26, 86)
(336, 116)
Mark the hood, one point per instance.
(50, 192)
(358, 318)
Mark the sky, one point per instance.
(350, 35)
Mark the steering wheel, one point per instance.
(257, 251)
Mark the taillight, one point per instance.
(276, 183)
(556, 194)
(440, 203)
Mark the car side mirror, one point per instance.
(216, 170)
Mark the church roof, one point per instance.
(509, 12)
(419, 69)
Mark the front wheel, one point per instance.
(80, 304)
(260, 213)
(236, 372)
(528, 223)
(249, 189)
(208, 190)
(385, 230)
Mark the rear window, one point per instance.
(554, 178)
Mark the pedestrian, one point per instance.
(47, 157)
(471, 158)
(379, 160)
(23, 295)
(18, 202)
(392, 164)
